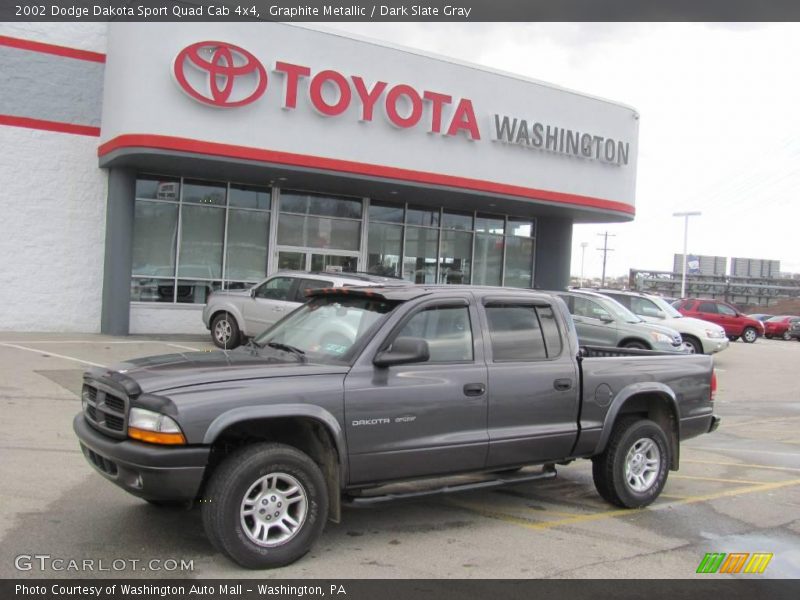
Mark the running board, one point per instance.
(389, 496)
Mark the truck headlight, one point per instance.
(155, 428)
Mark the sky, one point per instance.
(719, 126)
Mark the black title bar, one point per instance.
(400, 10)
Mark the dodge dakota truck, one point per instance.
(433, 389)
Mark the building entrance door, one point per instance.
(316, 260)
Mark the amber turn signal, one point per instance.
(156, 437)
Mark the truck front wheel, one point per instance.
(633, 469)
(265, 506)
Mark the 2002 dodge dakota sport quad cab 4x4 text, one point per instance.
(448, 387)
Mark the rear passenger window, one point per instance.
(310, 284)
(446, 329)
(552, 337)
(518, 333)
(707, 307)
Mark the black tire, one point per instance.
(749, 335)
(733, 338)
(608, 469)
(225, 494)
(768, 336)
(225, 331)
(636, 345)
(694, 344)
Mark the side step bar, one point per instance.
(549, 472)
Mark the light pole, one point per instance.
(583, 254)
(685, 216)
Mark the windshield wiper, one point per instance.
(287, 348)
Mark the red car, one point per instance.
(779, 326)
(736, 324)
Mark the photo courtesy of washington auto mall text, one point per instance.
(400, 300)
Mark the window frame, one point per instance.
(493, 301)
(439, 303)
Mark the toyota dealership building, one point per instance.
(146, 165)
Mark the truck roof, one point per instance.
(404, 293)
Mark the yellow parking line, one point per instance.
(577, 519)
(743, 465)
(740, 481)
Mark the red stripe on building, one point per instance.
(52, 49)
(161, 142)
(49, 125)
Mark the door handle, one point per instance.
(562, 385)
(474, 389)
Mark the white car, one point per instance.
(232, 315)
(704, 337)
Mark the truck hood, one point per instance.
(168, 371)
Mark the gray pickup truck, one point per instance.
(439, 389)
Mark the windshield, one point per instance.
(620, 312)
(665, 306)
(326, 329)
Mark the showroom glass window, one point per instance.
(385, 238)
(192, 237)
(451, 247)
(421, 245)
(317, 221)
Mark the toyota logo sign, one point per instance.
(220, 74)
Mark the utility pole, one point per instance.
(605, 250)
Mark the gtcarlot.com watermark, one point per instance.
(46, 562)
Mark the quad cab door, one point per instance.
(426, 418)
(533, 383)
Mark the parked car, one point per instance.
(760, 317)
(232, 315)
(602, 321)
(779, 326)
(703, 337)
(734, 323)
(274, 438)
(794, 331)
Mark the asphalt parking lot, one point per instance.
(738, 490)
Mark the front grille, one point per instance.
(115, 404)
(106, 409)
(101, 462)
(115, 423)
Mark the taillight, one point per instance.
(713, 385)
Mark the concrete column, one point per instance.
(120, 207)
(553, 253)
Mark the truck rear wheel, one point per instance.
(265, 506)
(633, 469)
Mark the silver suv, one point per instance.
(601, 321)
(232, 315)
(703, 337)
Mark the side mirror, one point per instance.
(661, 314)
(405, 350)
(252, 292)
(606, 319)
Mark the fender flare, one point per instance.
(635, 389)
(277, 411)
